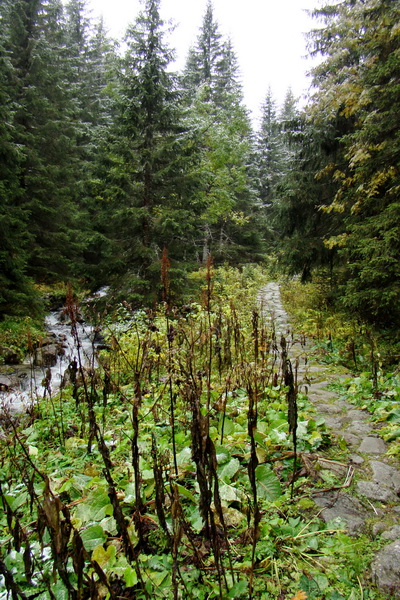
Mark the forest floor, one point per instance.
(368, 500)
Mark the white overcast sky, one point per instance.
(268, 37)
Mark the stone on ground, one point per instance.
(386, 569)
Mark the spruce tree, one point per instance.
(269, 156)
(205, 59)
(17, 294)
(358, 83)
(227, 220)
(44, 133)
(149, 156)
(300, 223)
(288, 121)
(92, 73)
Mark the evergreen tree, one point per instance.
(302, 227)
(269, 156)
(44, 134)
(288, 120)
(289, 110)
(226, 193)
(228, 220)
(358, 83)
(92, 73)
(17, 295)
(205, 58)
(149, 156)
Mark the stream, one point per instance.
(42, 371)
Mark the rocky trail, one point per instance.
(368, 500)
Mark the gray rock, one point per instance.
(355, 414)
(372, 445)
(386, 570)
(350, 438)
(359, 428)
(356, 460)
(9, 356)
(330, 409)
(392, 534)
(6, 383)
(378, 528)
(47, 356)
(332, 422)
(385, 474)
(376, 491)
(342, 507)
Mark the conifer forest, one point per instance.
(180, 460)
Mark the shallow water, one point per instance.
(30, 382)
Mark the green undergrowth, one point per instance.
(169, 471)
(18, 335)
(380, 395)
(371, 357)
(338, 338)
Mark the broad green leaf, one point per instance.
(259, 437)
(17, 501)
(229, 493)
(196, 520)
(130, 577)
(229, 470)
(392, 435)
(184, 457)
(74, 442)
(277, 436)
(302, 429)
(238, 589)
(93, 536)
(268, 485)
(160, 578)
(393, 416)
(229, 426)
(130, 496)
(147, 475)
(184, 492)
(95, 507)
(223, 454)
(105, 558)
(109, 524)
(60, 591)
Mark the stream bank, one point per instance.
(368, 500)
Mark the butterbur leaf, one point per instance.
(186, 493)
(229, 470)
(130, 577)
(268, 485)
(95, 508)
(222, 454)
(104, 558)
(228, 493)
(93, 536)
(238, 589)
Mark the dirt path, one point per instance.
(369, 501)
